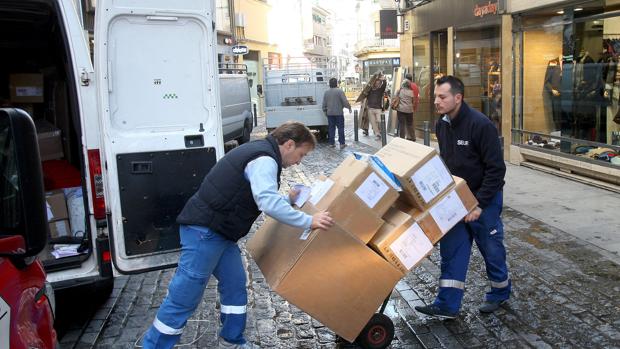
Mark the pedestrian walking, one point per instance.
(334, 101)
(232, 195)
(469, 144)
(375, 103)
(404, 111)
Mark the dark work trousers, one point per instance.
(405, 125)
(334, 121)
(455, 250)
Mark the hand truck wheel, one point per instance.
(377, 334)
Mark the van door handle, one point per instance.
(141, 167)
(162, 18)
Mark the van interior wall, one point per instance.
(32, 42)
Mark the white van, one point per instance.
(124, 144)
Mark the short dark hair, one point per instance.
(333, 82)
(456, 85)
(296, 131)
(409, 77)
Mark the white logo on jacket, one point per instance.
(462, 142)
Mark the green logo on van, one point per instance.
(171, 96)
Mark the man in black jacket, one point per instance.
(238, 188)
(469, 144)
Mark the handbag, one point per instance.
(395, 100)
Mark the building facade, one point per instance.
(543, 71)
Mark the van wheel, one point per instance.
(247, 131)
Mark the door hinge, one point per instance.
(84, 78)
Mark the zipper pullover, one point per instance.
(469, 144)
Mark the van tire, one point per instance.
(247, 132)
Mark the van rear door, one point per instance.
(159, 110)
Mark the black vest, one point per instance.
(224, 202)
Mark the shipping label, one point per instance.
(411, 246)
(448, 212)
(372, 190)
(431, 179)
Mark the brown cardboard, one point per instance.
(56, 205)
(401, 241)
(26, 88)
(348, 210)
(358, 175)
(428, 220)
(331, 275)
(421, 172)
(49, 138)
(60, 228)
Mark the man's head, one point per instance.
(295, 140)
(333, 82)
(449, 93)
(409, 77)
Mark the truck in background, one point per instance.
(235, 102)
(294, 91)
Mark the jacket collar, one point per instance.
(462, 114)
(276, 149)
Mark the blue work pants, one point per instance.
(203, 252)
(455, 249)
(334, 121)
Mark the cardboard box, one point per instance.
(50, 142)
(367, 183)
(56, 206)
(421, 172)
(330, 275)
(59, 228)
(26, 88)
(450, 209)
(345, 207)
(401, 241)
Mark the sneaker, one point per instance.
(332, 146)
(342, 146)
(434, 310)
(365, 132)
(490, 306)
(247, 345)
(378, 137)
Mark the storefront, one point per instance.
(567, 88)
(384, 65)
(461, 38)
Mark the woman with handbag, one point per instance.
(404, 105)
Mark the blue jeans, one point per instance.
(203, 252)
(455, 250)
(334, 121)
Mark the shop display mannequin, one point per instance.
(551, 92)
(588, 96)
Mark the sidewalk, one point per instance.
(586, 212)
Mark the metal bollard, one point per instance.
(255, 116)
(355, 126)
(383, 130)
(427, 133)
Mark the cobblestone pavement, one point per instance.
(566, 294)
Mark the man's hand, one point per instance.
(473, 215)
(322, 220)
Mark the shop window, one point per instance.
(477, 64)
(570, 90)
(422, 77)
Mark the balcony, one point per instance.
(376, 45)
(311, 48)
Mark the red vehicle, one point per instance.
(26, 299)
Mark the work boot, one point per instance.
(222, 344)
(490, 306)
(434, 310)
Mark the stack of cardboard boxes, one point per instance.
(386, 223)
(57, 214)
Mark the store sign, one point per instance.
(240, 49)
(490, 8)
(388, 24)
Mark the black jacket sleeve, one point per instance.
(492, 160)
